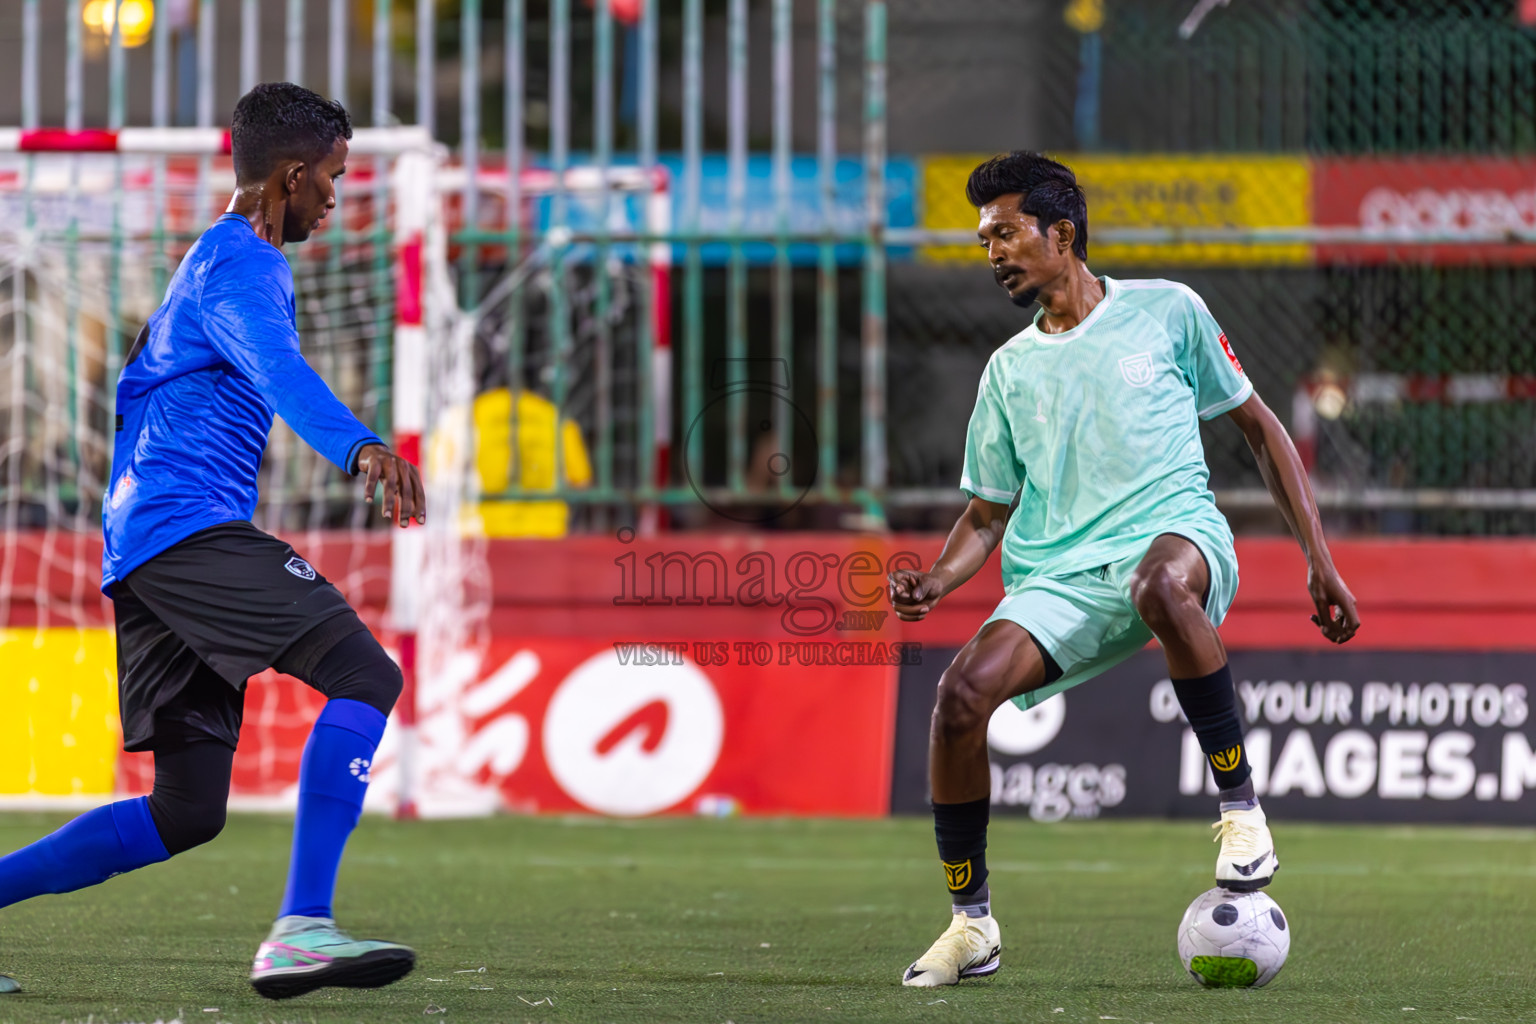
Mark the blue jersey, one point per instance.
(195, 404)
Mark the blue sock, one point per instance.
(333, 778)
(89, 850)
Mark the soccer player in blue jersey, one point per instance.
(204, 599)
(1089, 419)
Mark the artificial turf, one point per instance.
(744, 920)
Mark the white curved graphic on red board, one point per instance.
(632, 740)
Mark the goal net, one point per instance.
(570, 318)
(92, 226)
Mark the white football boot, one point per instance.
(969, 948)
(1247, 861)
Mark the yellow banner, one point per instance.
(59, 729)
(1154, 191)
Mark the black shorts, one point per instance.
(203, 616)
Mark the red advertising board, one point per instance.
(1394, 199)
(759, 673)
(625, 728)
(656, 726)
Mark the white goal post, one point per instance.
(91, 225)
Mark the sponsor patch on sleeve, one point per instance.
(300, 568)
(1226, 346)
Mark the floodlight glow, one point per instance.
(135, 18)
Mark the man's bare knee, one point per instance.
(1162, 599)
(966, 700)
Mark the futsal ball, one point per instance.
(1234, 939)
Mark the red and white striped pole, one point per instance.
(125, 140)
(658, 219)
(414, 203)
(190, 141)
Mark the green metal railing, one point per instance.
(713, 443)
(640, 332)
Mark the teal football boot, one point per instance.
(305, 953)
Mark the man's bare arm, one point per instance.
(976, 533)
(1287, 481)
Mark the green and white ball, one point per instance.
(1234, 939)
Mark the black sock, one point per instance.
(962, 833)
(1210, 704)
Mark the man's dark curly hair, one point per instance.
(282, 121)
(1051, 192)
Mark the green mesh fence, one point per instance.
(1405, 366)
(1350, 184)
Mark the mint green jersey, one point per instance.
(1097, 429)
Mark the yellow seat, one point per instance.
(535, 433)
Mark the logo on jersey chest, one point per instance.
(1137, 369)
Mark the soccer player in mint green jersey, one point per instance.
(1089, 418)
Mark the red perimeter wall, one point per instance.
(784, 713)
(1413, 594)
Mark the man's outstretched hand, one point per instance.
(1336, 615)
(404, 496)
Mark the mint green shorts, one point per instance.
(1085, 620)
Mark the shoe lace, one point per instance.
(965, 940)
(1236, 838)
(975, 938)
(337, 937)
(317, 938)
